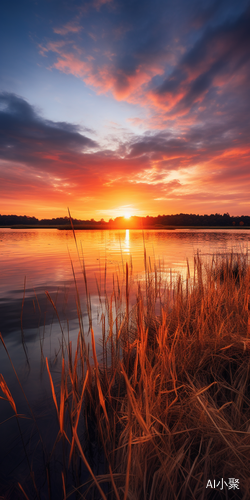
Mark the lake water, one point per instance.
(35, 261)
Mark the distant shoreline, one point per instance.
(100, 227)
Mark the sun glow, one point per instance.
(127, 215)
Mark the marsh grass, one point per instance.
(168, 406)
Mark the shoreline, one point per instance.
(100, 227)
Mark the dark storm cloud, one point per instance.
(25, 134)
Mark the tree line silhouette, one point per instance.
(134, 221)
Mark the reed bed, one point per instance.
(167, 408)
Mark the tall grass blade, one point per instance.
(52, 388)
(103, 496)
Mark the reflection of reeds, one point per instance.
(169, 406)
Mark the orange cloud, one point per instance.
(104, 77)
(68, 63)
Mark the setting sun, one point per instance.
(127, 215)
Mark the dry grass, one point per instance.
(169, 406)
(179, 400)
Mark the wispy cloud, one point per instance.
(71, 27)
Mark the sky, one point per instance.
(114, 107)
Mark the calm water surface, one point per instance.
(35, 261)
(43, 255)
